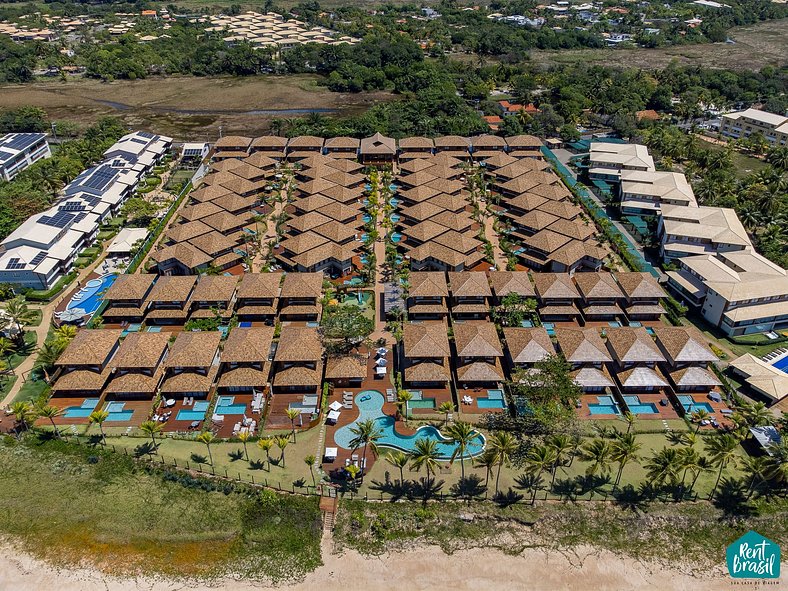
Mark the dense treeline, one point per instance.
(34, 189)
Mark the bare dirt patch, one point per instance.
(189, 108)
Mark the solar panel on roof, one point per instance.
(146, 134)
(72, 206)
(22, 141)
(80, 216)
(15, 263)
(137, 140)
(60, 220)
(38, 258)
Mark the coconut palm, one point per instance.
(703, 466)
(207, 438)
(6, 346)
(777, 462)
(353, 471)
(48, 355)
(461, 435)
(688, 459)
(504, 445)
(399, 460)
(699, 416)
(266, 443)
(757, 415)
(366, 433)
(244, 436)
(293, 414)
(778, 158)
(66, 333)
(562, 444)
(624, 450)
(597, 453)
(446, 408)
(755, 467)
(631, 419)
(403, 397)
(722, 451)
(425, 453)
(663, 466)
(50, 412)
(151, 428)
(281, 442)
(487, 461)
(97, 417)
(310, 461)
(19, 314)
(538, 459)
(23, 413)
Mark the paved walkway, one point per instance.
(379, 281)
(492, 236)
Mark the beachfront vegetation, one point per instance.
(149, 520)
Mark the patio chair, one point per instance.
(347, 405)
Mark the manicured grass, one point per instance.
(31, 338)
(229, 459)
(6, 383)
(742, 163)
(69, 505)
(31, 390)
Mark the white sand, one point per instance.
(421, 569)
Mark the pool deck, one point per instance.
(717, 408)
(473, 407)
(348, 416)
(66, 299)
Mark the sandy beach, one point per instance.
(419, 569)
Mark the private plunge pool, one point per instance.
(605, 405)
(370, 406)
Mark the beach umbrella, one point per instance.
(72, 315)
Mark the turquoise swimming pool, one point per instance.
(690, 405)
(89, 298)
(117, 413)
(225, 405)
(605, 405)
(370, 405)
(640, 408)
(81, 412)
(196, 413)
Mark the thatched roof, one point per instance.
(302, 285)
(506, 282)
(631, 345)
(89, 347)
(428, 284)
(582, 345)
(429, 339)
(477, 339)
(298, 343)
(684, 345)
(469, 284)
(194, 349)
(346, 367)
(140, 350)
(528, 345)
(130, 287)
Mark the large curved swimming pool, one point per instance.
(370, 405)
(89, 298)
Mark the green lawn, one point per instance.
(229, 459)
(31, 390)
(70, 505)
(742, 163)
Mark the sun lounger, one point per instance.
(347, 405)
(217, 418)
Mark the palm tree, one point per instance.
(23, 412)
(207, 438)
(757, 414)
(663, 466)
(66, 333)
(281, 442)
(755, 467)
(151, 428)
(446, 408)
(699, 416)
(310, 461)
(266, 443)
(403, 397)
(18, 313)
(425, 453)
(6, 346)
(561, 443)
(577, 442)
(487, 461)
(688, 459)
(538, 459)
(721, 450)
(399, 460)
(597, 452)
(631, 419)
(50, 412)
(353, 470)
(778, 158)
(293, 414)
(244, 436)
(505, 445)
(703, 465)
(367, 433)
(624, 450)
(461, 435)
(777, 462)
(48, 355)
(98, 417)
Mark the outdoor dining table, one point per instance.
(336, 405)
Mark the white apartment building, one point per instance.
(607, 160)
(745, 123)
(43, 249)
(645, 192)
(20, 150)
(740, 292)
(689, 230)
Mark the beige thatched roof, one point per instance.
(528, 345)
(259, 285)
(89, 347)
(469, 284)
(582, 345)
(130, 287)
(555, 286)
(248, 345)
(506, 282)
(477, 339)
(172, 288)
(194, 349)
(429, 339)
(629, 345)
(346, 367)
(427, 371)
(302, 285)
(684, 345)
(480, 371)
(639, 285)
(597, 286)
(140, 350)
(298, 343)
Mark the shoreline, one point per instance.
(421, 568)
